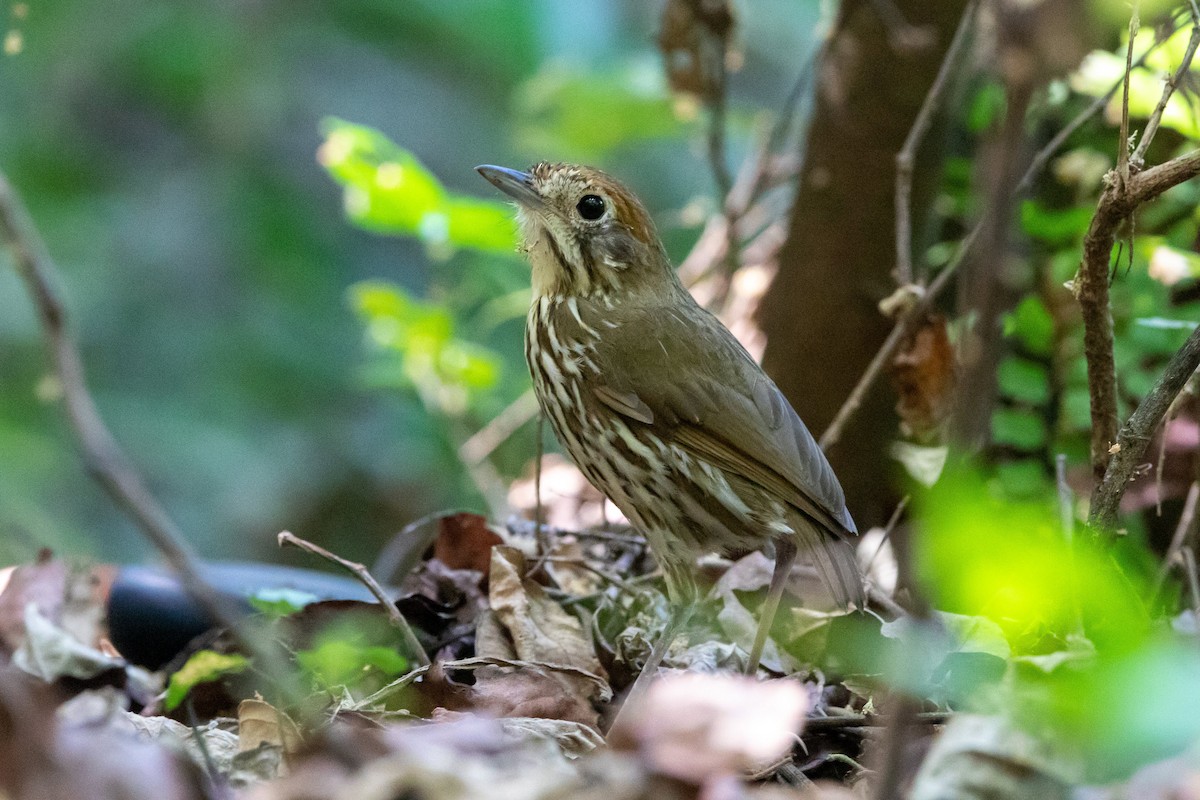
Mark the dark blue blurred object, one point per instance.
(151, 618)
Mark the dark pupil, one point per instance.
(590, 206)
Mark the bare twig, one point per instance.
(1123, 144)
(1135, 434)
(906, 158)
(1066, 498)
(1038, 162)
(1193, 582)
(1169, 86)
(359, 571)
(484, 442)
(1186, 520)
(901, 329)
(892, 522)
(818, 724)
(717, 158)
(719, 239)
(1118, 201)
(102, 456)
(1036, 166)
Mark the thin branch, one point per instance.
(1066, 498)
(906, 158)
(1118, 201)
(1036, 166)
(501, 427)
(101, 454)
(1123, 144)
(1169, 86)
(818, 724)
(901, 329)
(1186, 520)
(718, 160)
(1135, 434)
(1193, 582)
(1043, 156)
(359, 571)
(719, 238)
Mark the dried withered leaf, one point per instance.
(42, 583)
(48, 756)
(923, 374)
(693, 38)
(260, 723)
(464, 541)
(539, 628)
(531, 692)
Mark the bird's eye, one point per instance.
(590, 206)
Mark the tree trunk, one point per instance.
(820, 315)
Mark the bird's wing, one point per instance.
(723, 408)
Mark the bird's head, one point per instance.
(585, 234)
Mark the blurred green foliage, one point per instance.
(167, 155)
(204, 666)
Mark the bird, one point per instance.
(659, 405)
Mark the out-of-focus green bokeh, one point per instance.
(169, 154)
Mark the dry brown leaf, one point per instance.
(539, 628)
(923, 373)
(464, 541)
(42, 583)
(693, 38)
(259, 723)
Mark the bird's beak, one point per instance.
(514, 183)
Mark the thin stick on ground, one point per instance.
(906, 158)
(1135, 434)
(359, 571)
(817, 724)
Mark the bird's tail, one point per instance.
(835, 562)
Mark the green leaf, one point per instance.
(983, 555)
(387, 190)
(341, 659)
(1024, 380)
(1055, 226)
(1022, 429)
(277, 603)
(1032, 325)
(588, 113)
(422, 337)
(203, 667)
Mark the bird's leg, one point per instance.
(785, 557)
(680, 614)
